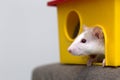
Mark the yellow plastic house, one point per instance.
(72, 14)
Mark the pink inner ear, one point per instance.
(97, 32)
(97, 35)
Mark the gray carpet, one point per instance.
(75, 72)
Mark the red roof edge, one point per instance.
(55, 2)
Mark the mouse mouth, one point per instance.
(85, 54)
(79, 54)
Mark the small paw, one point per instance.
(103, 63)
(90, 62)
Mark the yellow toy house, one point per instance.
(72, 14)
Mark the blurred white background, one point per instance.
(28, 37)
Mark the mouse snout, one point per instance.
(71, 50)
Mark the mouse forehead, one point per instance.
(88, 34)
(81, 36)
(85, 35)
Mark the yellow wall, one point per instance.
(117, 33)
(91, 12)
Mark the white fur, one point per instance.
(92, 45)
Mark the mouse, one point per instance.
(90, 42)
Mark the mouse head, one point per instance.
(90, 41)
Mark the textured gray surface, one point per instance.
(75, 72)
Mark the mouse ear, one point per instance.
(85, 27)
(98, 33)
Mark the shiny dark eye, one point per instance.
(83, 41)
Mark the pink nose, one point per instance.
(69, 50)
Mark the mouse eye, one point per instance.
(83, 41)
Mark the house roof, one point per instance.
(55, 2)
